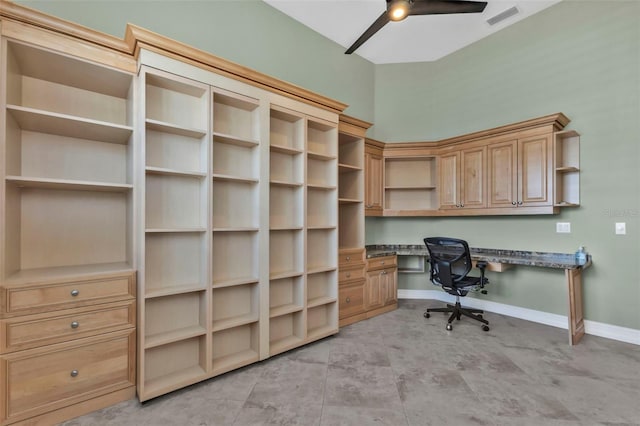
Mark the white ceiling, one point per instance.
(416, 39)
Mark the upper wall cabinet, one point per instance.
(463, 178)
(373, 192)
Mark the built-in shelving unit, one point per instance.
(175, 271)
(567, 168)
(236, 230)
(351, 190)
(410, 183)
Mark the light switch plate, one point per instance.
(621, 228)
(563, 227)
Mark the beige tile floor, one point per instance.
(402, 369)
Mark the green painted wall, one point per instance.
(248, 32)
(578, 57)
(582, 59)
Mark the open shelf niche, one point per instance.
(68, 162)
(410, 183)
(175, 299)
(567, 168)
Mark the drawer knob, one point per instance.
(74, 373)
(75, 324)
(348, 299)
(382, 263)
(74, 293)
(348, 257)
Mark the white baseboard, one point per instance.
(600, 329)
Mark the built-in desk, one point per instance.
(499, 260)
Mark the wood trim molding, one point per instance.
(375, 143)
(353, 126)
(137, 37)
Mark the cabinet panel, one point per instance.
(502, 171)
(373, 182)
(534, 177)
(473, 177)
(448, 182)
(374, 296)
(352, 300)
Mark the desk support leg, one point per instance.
(576, 316)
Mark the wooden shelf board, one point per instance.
(36, 120)
(234, 140)
(565, 204)
(320, 186)
(163, 384)
(320, 332)
(318, 301)
(289, 308)
(283, 183)
(229, 178)
(284, 344)
(67, 272)
(66, 184)
(175, 129)
(227, 323)
(173, 172)
(349, 201)
(235, 229)
(348, 168)
(285, 149)
(320, 227)
(284, 274)
(170, 291)
(320, 156)
(231, 282)
(174, 336)
(409, 187)
(319, 269)
(567, 169)
(233, 361)
(285, 228)
(174, 230)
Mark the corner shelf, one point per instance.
(567, 168)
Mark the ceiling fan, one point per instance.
(397, 10)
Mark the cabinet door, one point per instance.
(373, 182)
(448, 181)
(374, 297)
(502, 173)
(534, 171)
(390, 286)
(473, 179)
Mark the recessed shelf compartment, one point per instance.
(322, 173)
(285, 332)
(235, 347)
(235, 161)
(66, 228)
(321, 288)
(174, 262)
(321, 139)
(410, 172)
(285, 296)
(351, 151)
(286, 167)
(286, 253)
(322, 321)
(322, 208)
(321, 249)
(411, 199)
(176, 102)
(175, 201)
(235, 115)
(174, 365)
(174, 151)
(285, 207)
(235, 204)
(234, 306)
(351, 233)
(234, 257)
(174, 129)
(67, 88)
(234, 140)
(286, 130)
(174, 317)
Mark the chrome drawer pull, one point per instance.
(74, 293)
(74, 373)
(75, 324)
(348, 258)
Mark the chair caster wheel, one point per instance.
(426, 314)
(480, 316)
(449, 328)
(485, 327)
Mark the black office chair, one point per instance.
(450, 262)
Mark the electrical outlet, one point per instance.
(563, 227)
(621, 228)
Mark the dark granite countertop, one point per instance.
(512, 257)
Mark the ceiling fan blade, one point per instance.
(374, 28)
(436, 7)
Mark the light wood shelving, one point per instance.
(410, 184)
(567, 168)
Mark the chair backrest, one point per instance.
(449, 258)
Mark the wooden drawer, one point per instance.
(381, 262)
(31, 331)
(46, 379)
(348, 257)
(351, 274)
(68, 294)
(351, 300)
